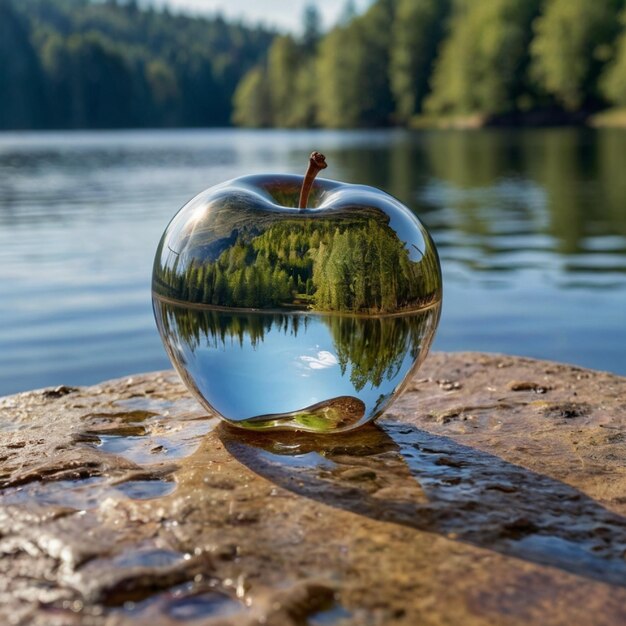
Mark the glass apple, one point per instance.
(278, 314)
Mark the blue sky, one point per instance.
(283, 14)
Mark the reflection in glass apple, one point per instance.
(305, 318)
(315, 372)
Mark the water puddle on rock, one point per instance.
(184, 603)
(138, 448)
(76, 494)
(205, 605)
(146, 437)
(334, 616)
(85, 494)
(146, 556)
(146, 489)
(161, 442)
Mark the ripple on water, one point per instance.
(156, 443)
(185, 604)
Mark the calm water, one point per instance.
(530, 225)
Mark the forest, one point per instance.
(308, 264)
(114, 63)
(428, 62)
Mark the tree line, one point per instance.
(116, 63)
(84, 64)
(408, 62)
(314, 264)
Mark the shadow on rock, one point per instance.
(397, 473)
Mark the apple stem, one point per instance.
(317, 162)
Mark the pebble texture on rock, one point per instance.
(493, 492)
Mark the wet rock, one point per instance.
(357, 473)
(527, 385)
(124, 503)
(566, 410)
(58, 392)
(449, 385)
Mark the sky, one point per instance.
(282, 14)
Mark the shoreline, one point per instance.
(285, 311)
(613, 117)
(606, 118)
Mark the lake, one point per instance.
(530, 226)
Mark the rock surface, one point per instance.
(493, 492)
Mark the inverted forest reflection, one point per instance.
(294, 370)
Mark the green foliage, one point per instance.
(100, 85)
(376, 347)
(337, 70)
(77, 63)
(363, 270)
(483, 58)
(321, 264)
(572, 43)
(164, 87)
(613, 79)
(304, 100)
(312, 27)
(282, 72)
(417, 31)
(352, 71)
(341, 82)
(283, 91)
(88, 63)
(21, 79)
(481, 67)
(252, 100)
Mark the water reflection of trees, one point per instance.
(611, 180)
(562, 183)
(330, 265)
(373, 348)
